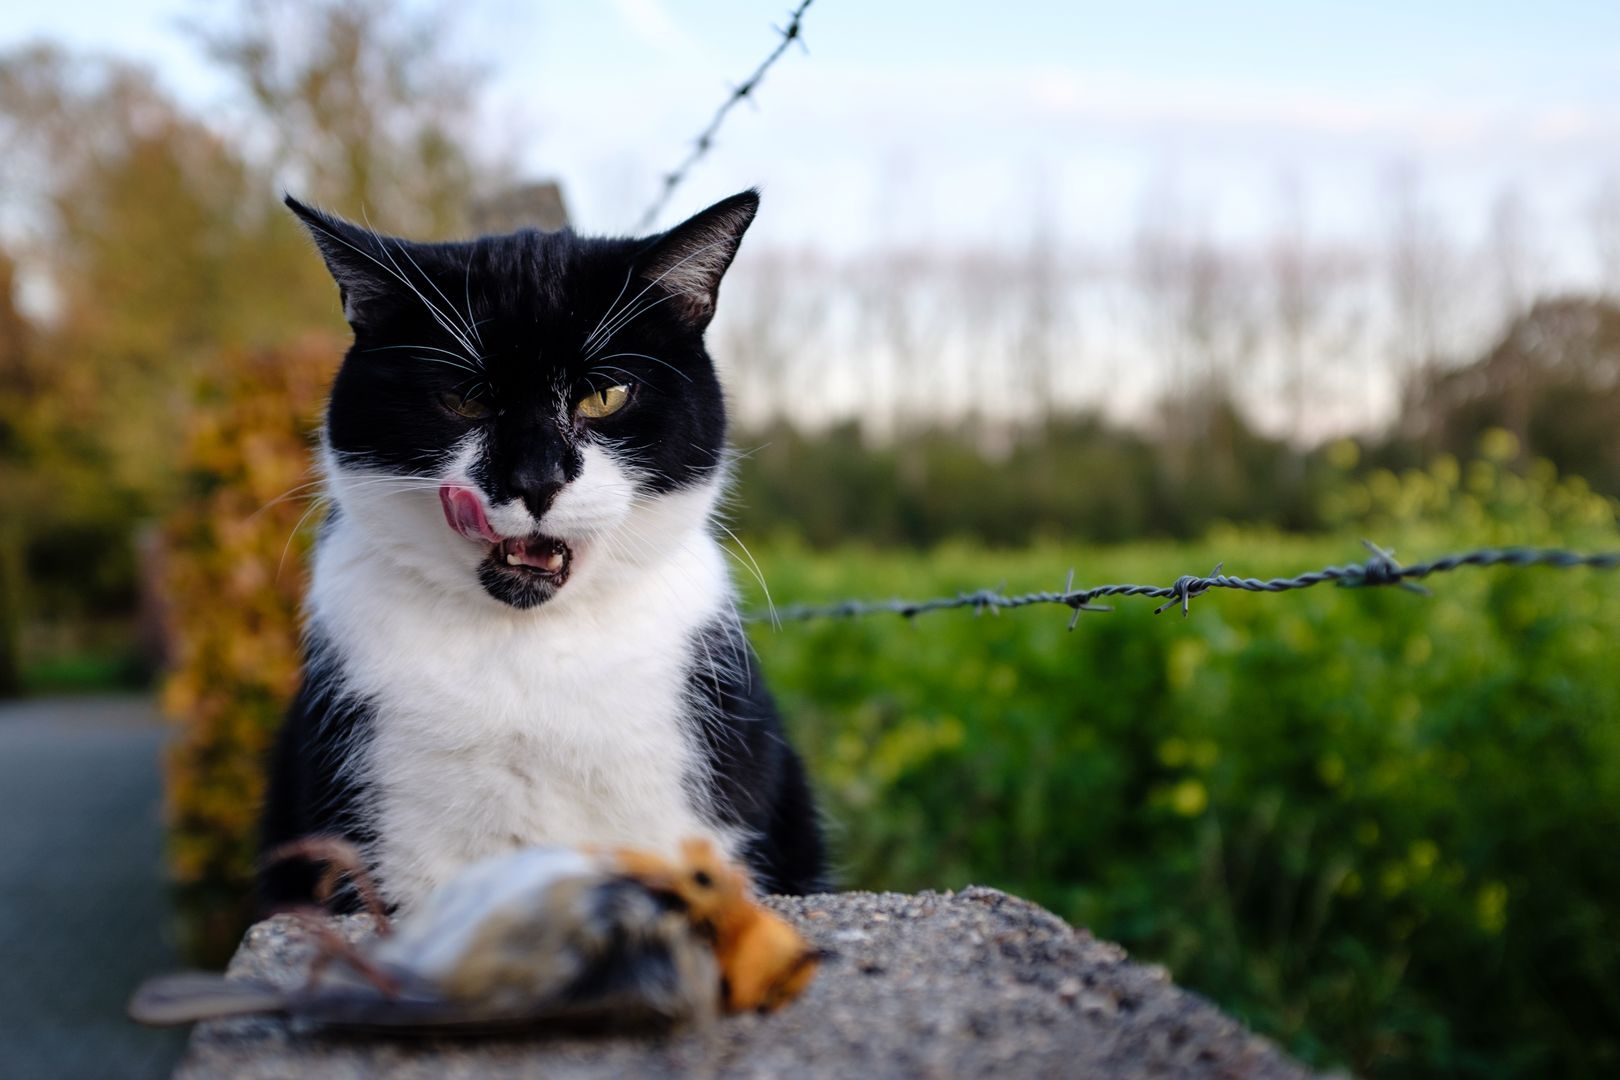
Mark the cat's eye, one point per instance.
(600, 403)
(468, 407)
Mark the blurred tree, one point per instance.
(144, 234)
(15, 380)
(1552, 378)
(369, 114)
(1200, 311)
(1603, 226)
(14, 332)
(1076, 476)
(1311, 327)
(1421, 276)
(153, 236)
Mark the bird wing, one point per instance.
(432, 940)
(187, 996)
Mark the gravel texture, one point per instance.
(973, 983)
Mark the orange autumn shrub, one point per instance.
(234, 576)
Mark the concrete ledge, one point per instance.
(973, 983)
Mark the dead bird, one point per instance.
(537, 937)
(764, 962)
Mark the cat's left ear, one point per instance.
(689, 260)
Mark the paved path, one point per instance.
(83, 912)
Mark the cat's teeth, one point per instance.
(512, 559)
(554, 561)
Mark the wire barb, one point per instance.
(1382, 569)
(794, 31)
(1187, 587)
(1379, 569)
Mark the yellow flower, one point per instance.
(1189, 798)
(1344, 455)
(1173, 752)
(1499, 445)
(1490, 906)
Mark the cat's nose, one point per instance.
(537, 483)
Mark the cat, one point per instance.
(520, 627)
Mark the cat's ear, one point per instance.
(356, 258)
(689, 260)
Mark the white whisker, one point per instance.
(319, 502)
(759, 575)
(654, 359)
(400, 277)
(592, 335)
(620, 322)
(433, 309)
(469, 331)
(466, 288)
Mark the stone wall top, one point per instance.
(974, 983)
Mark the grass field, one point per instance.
(1379, 827)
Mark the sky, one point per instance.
(972, 123)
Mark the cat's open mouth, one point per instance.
(535, 559)
(544, 556)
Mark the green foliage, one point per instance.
(1376, 826)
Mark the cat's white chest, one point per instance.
(492, 730)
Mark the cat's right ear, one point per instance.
(356, 258)
(689, 260)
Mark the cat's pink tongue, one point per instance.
(464, 511)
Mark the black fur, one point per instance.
(532, 302)
(309, 794)
(756, 778)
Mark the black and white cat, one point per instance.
(521, 627)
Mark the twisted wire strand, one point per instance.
(705, 138)
(1380, 569)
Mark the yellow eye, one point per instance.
(602, 403)
(471, 408)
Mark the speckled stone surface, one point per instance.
(975, 983)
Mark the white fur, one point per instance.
(497, 728)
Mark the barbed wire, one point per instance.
(705, 139)
(1379, 569)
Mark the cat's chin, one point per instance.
(525, 572)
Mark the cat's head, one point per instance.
(520, 411)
